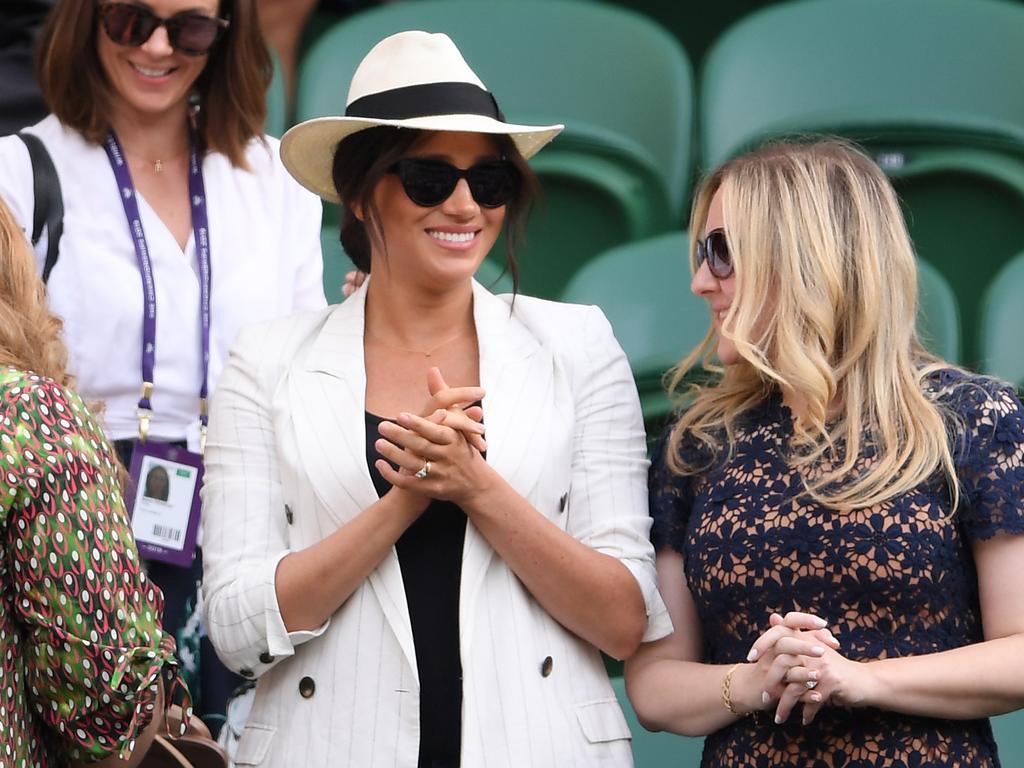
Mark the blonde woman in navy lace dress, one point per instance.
(838, 515)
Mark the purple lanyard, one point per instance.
(201, 231)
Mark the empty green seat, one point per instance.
(621, 85)
(1002, 323)
(657, 750)
(1009, 732)
(920, 71)
(277, 107)
(938, 318)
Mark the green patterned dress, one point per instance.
(81, 649)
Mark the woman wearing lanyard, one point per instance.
(180, 225)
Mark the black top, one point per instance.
(430, 554)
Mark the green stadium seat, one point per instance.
(336, 263)
(938, 318)
(277, 108)
(1009, 733)
(911, 71)
(621, 85)
(949, 128)
(1002, 321)
(644, 290)
(657, 750)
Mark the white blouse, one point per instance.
(265, 263)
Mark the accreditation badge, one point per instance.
(163, 501)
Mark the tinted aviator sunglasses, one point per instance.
(429, 182)
(190, 33)
(715, 251)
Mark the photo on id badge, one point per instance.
(164, 502)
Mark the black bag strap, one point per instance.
(49, 202)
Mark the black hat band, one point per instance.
(427, 100)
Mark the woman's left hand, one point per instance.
(828, 679)
(455, 469)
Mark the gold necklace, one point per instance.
(159, 163)
(424, 352)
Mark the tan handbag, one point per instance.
(196, 749)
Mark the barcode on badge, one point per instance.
(166, 532)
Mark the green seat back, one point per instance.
(938, 319)
(965, 212)
(907, 71)
(277, 107)
(644, 290)
(1009, 732)
(657, 750)
(1002, 344)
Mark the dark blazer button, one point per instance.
(266, 658)
(288, 514)
(247, 673)
(545, 667)
(562, 502)
(307, 687)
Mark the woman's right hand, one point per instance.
(758, 684)
(457, 408)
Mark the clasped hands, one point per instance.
(438, 453)
(797, 661)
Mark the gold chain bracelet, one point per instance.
(727, 691)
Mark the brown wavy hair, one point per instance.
(30, 337)
(232, 87)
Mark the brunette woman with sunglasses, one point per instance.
(838, 514)
(425, 508)
(179, 226)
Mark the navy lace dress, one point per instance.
(896, 579)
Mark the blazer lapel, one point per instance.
(517, 374)
(327, 394)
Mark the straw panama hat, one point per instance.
(408, 80)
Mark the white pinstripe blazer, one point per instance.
(286, 465)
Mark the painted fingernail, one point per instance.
(778, 720)
(817, 650)
(752, 656)
(816, 697)
(820, 622)
(765, 698)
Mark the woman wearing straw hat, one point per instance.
(409, 589)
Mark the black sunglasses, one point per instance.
(714, 249)
(429, 182)
(190, 33)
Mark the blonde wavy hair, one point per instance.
(825, 306)
(30, 337)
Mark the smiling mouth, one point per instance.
(148, 72)
(452, 237)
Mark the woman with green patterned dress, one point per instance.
(84, 663)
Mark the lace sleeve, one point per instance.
(990, 459)
(670, 498)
